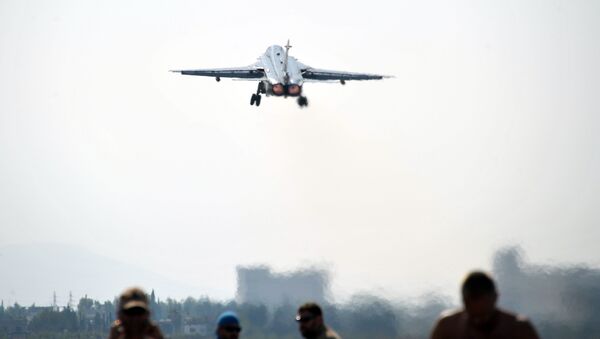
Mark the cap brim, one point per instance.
(135, 304)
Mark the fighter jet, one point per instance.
(280, 74)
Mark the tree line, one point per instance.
(365, 316)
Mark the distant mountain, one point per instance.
(31, 273)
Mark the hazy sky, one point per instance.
(487, 136)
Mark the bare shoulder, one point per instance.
(522, 326)
(451, 316)
(447, 324)
(525, 329)
(512, 317)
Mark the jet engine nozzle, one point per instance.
(278, 89)
(294, 90)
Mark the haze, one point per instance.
(486, 137)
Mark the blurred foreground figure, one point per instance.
(134, 317)
(228, 326)
(480, 318)
(311, 324)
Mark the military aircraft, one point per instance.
(280, 74)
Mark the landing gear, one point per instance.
(302, 101)
(261, 88)
(255, 99)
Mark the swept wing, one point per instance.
(248, 72)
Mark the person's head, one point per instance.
(134, 312)
(228, 326)
(310, 320)
(479, 297)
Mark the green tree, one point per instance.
(53, 321)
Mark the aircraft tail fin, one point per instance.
(285, 62)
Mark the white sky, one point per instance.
(487, 136)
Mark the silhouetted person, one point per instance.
(228, 326)
(134, 317)
(311, 323)
(480, 318)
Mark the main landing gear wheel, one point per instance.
(302, 101)
(255, 99)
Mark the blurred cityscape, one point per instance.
(561, 301)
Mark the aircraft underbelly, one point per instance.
(274, 65)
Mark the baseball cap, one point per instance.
(228, 318)
(133, 297)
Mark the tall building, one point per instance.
(565, 294)
(259, 285)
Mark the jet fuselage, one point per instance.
(284, 77)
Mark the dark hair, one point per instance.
(312, 308)
(478, 284)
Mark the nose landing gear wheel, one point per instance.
(302, 101)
